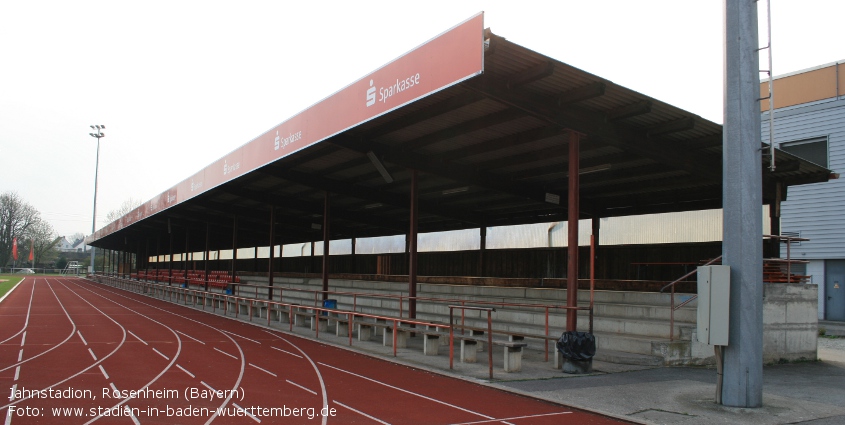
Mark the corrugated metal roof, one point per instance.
(488, 151)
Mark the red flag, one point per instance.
(31, 248)
(15, 249)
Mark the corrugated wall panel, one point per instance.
(815, 211)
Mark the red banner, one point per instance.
(15, 249)
(31, 249)
(448, 59)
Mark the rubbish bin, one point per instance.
(577, 349)
(332, 304)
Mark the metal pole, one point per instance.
(99, 134)
(742, 207)
(326, 220)
(272, 252)
(412, 248)
(572, 244)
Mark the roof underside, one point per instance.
(487, 152)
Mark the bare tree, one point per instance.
(125, 208)
(16, 217)
(43, 240)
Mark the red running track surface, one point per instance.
(75, 352)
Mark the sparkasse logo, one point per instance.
(371, 95)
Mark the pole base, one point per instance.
(577, 367)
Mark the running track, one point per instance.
(68, 333)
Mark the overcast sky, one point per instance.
(179, 84)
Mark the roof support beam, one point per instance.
(534, 73)
(596, 125)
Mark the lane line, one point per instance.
(208, 386)
(186, 371)
(114, 387)
(407, 391)
(28, 310)
(513, 418)
(247, 413)
(361, 413)
(104, 372)
(92, 354)
(241, 336)
(225, 353)
(286, 352)
(23, 340)
(80, 337)
(186, 335)
(316, 370)
(264, 370)
(20, 355)
(138, 301)
(130, 332)
(134, 419)
(17, 373)
(300, 386)
(161, 354)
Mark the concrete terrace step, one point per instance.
(622, 357)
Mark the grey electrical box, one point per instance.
(714, 295)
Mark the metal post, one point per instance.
(572, 244)
(412, 248)
(326, 220)
(99, 135)
(205, 254)
(272, 252)
(482, 250)
(742, 207)
(234, 246)
(170, 262)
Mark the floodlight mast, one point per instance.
(98, 134)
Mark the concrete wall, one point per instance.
(815, 269)
(790, 322)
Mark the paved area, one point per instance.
(810, 393)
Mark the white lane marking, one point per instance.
(208, 386)
(80, 337)
(161, 354)
(113, 387)
(241, 336)
(362, 413)
(263, 370)
(23, 340)
(27, 321)
(246, 412)
(17, 373)
(104, 372)
(184, 334)
(8, 415)
(513, 418)
(132, 415)
(28, 310)
(130, 332)
(225, 353)
(408, 391)
(324, 419)
(14, 388)
(20, 355)
(92, 354)
(186, 371)
(300, 386)
(286, 352)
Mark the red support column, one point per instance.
(326, 218)
(205, 255)
(272, 251)
(572, 221)
(412, 248)
(234, 246)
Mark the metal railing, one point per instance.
(788, 260)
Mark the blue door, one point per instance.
(834, 290)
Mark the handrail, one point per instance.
(672, 310)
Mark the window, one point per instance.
(813, 150)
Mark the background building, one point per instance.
(809, 121)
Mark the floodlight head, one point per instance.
(91, 134)
(103, 127)
(92, 127)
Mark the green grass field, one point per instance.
(7, 282)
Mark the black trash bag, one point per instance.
(577, 345)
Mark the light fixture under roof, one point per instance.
(456, 190)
